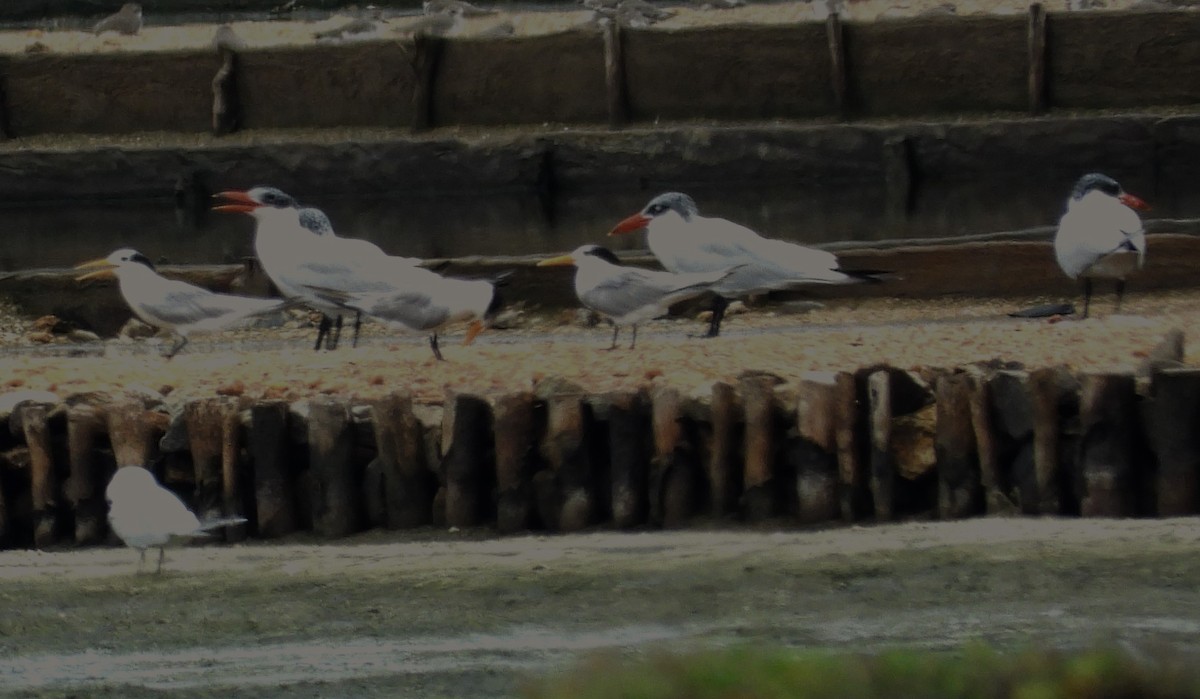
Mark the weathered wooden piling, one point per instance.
(85, 486)
(957, 463)
(515, 438)
(816, 463)
(274, 478)
(226, 110)
(628, 455)
(614, 75)
(398, 480)
(133, 433)
(990, 478)
(882, 469)
(43, 481)
(335, 493)
(1045, 392)
(760, 491)
(1108, 423)
(234, 500)
(1173, 432)
(673, 470)
(852, 481)
(205, 419)
(567, 449)
(724, 468)
(468, 465)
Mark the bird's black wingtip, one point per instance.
(873, 276)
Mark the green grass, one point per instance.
(974, 672)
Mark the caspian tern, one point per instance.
(168, 303)
(425, 301)
(146, 515)
(1101, 235)
(686, 242)
(630, 295)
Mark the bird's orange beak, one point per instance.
(560, 261)
(241, 202)
(635, 222)
(105, 270)
(1133, 202)
(473, 331)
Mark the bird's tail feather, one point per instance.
(222, 522)
(873, 276)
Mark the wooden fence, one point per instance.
(876, 444)
(912, 67)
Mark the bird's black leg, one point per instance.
(718, 314)
(616, 331)
(1120, 293)
(434, 345)
(633, 341)
(176, 347)
(322, 330)
(357, 327)
(161, 555)
(331, 341)
(1087, 295)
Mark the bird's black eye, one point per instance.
(657, 209)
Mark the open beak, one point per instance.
(473, 331)
(1133, 202)
(635, 222)
(241, 202)
(103, 270)
(560, 261)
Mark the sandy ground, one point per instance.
(436, 613)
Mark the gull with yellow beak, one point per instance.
(630, 295)
(177, 306)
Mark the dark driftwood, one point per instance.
(335, 492)
(84, 489)
(398, 476)
(43, 481)
(837, 64)
(1108, 421)
(724, 479)
(883, 469)
(566, 447)
(851, 479)
(614, 75)
(957, 464)
(1037, 59)
(816, 463)
(1173, 429)
(131, 433)
(628, 419)
(468, 464)
(1045, 394)
(760, 494)
(514, 433)
(274, 482)
(205, 421)
(672, 471)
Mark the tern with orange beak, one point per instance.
(630, 295)
(686, 243)
(1101, 235)
(172, 304)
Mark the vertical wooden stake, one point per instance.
(205, 419)
(816, 472)
(513, 430)
(468, 465)
(336, 492)
(1173, 428)
(883, 469)
(851, 479)
(226, 110)
(85, 488)
(134, 442)
(995, 499)
(837, 65)
(44, 486)
(274, 478)
(672, 476)
(957, 463)
(1044, 393)
(1037, 59)
(233, 496)
(760, 494)
(628, 458)
(614, 76)
(898, 177)
(566, 448)
(427, 54)
(1107, 419)
(724, 476)
(399, 473)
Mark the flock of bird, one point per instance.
(1099, 237)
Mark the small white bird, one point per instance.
(127, 20)
(629, 295)
(1101, 235)
(435, 7)
(684, 242)
(146, 515)
(172, 304)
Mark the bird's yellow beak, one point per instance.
(473, 331)
(560, 261)
(105, 270)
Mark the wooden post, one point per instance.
(1045, 394)
(614, 75)
(816, 469)
(672, 477)
(515, 438)
(44, 483)
(1107, 416)
(205, 419)
(995, 500)
(226, 109)
(724, 476)
(85, 488)
(957, 464)
(760, 494)
(468, 465)
(233, 494)
(883, 469)
(852, 481)
(427, 53)
(628, 420)
(134, 442)
(898, 177)
(336, 492)
(839, 81)
(274, 477)
(566, 447)
(1037, 59)
(399, 476)
(1173, 429)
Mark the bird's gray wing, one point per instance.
(413, 309)
(634, 289)
(184, 304)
